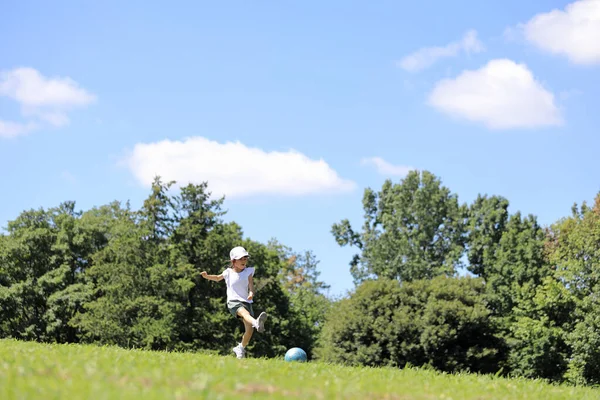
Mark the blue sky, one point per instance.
(292, 109)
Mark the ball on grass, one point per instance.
(295, 354)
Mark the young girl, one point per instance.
(240, 294)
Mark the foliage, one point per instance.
(412, 230)
(42, 262)
(117, 276)
(442, 322)
(112, 275)
(299, 277)
(540, 285)
(573, 248)
(487, 218)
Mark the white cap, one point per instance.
(238, 252)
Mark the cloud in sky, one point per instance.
(233, 169)
(501, 95)
(427, 56)
(570, 32)
(9, 129)
(385, 168)
(41, 99)
(573, 32)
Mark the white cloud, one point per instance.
(30, 88)
(54, 118)
(41, 98)
(428, 56)
(385, 168)
(10, 129)
(573, 32)
(233, 169)
(501, 95)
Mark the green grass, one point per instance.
(40, 371)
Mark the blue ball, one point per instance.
(295, 354)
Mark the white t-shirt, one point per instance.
(237, 284)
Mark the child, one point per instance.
(240, 294)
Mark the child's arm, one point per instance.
(250, 287)
(215, 278)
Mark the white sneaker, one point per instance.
(260, 322)
(239, 351)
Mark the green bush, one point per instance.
(442, 323)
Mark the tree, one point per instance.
(573, 248)
(518, 262)
(299, 278)
(202, 240)
(412, 230)
(44, 256)
(487, 221)
(508, 252)
(136, 287)
(537, 331)
(441, 322)
(139, 281)
(157, 211)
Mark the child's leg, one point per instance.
(256, 323)
(248, 319)
(247, 334)
(248, 325)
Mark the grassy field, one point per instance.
(38, 371)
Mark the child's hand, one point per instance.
(250, 295)
(203, 273)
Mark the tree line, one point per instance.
(528, 305)
(117, 276)
(438, 284)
